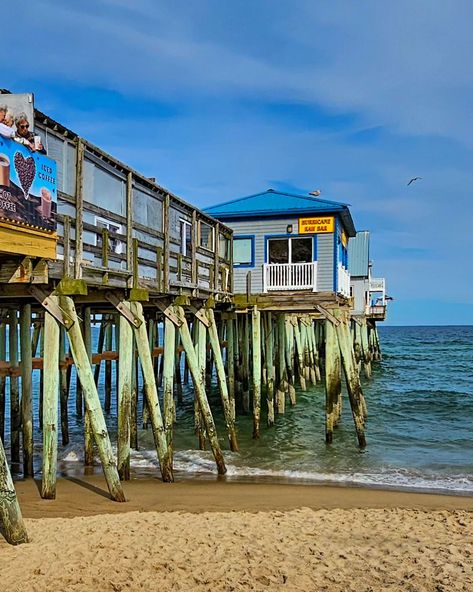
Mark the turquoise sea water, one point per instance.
(419, 430)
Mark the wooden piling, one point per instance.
(296, 330)
(100, 346)
(3, 350)
(256, 354)
(26, 389)
(355, 393)
(50, 404)
(125, 370)
(88, 435)
(151, 394)
(290, 359)
(10, 513)
(15, 417)
(245, 366)
(230, 355)
(222, 381)
(365, 349)
(63, 388)
(199, 386)
(333, 381)
(168, 378)
(269, 364)
(108, 364)
(134, 400)
(200, 340)
(92, 402)
(282, 384)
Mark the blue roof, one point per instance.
(272, 203)
(359, 254)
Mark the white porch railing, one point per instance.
(290, 276)
(343, 281)
(378, 285)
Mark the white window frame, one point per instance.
(115, 244)
(182, 230)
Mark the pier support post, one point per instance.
(256, 351)
(125, 371)
(282, 385)
(290, 359)
(10, 513)
(300, 351)
(199, 386)
(50, 404)
(170, 358)
(201, 354)
(245, 359)
(15, 417)
(222, 381)
(63, 387)
(333, 380)
(26, 389)
(3, 350)
(366, 349)
(151, 395)
(269, 364)
(230, 355)
(355, 393)
(88, 435)
(108, 364)
(92, 402)
(100, 346)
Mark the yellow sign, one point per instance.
(344, 239)
(316, 225)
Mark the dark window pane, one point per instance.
(301, 250)
(278, 250)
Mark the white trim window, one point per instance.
(206, 236)
(115, 245)
(186, 237)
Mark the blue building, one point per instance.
(288, 242)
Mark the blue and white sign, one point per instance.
(28, 189)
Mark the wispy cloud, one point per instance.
(220, 99)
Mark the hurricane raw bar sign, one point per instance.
(28, 192)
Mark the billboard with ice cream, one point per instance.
(28, 190)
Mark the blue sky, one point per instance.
(222, 99)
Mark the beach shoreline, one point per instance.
(88, 495)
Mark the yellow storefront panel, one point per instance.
(316, 225)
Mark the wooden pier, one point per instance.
(155, 276)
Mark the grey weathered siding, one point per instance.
(359, 288)
(260, 229)
(325, 263)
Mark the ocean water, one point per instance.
(419, 430)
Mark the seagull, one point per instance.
(413, 179)
(315, 193)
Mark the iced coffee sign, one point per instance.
(28, 193)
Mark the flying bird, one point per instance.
(413, 179)
(315, 193)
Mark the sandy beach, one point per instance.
(199, 535)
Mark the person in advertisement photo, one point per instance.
(24, 136)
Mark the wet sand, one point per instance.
(202, 535)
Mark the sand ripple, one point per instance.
(322, 550)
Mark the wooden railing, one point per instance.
(290, 276)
